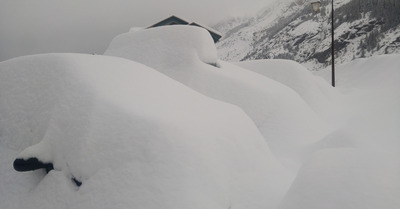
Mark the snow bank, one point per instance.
(371, 88)
(358, 166)
(132, 136)
(347, 178)
(286, 121)
(166, 46)
(319, 94)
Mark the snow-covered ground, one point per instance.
(161, 122)
(362, 167)
(274, 107)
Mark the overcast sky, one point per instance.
(87, 26)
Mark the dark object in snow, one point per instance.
(31, 164)
(173, 20)
(78, 183)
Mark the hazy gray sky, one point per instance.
(86, 26)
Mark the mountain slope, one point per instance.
(291, 30)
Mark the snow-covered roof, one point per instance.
(212, 31)
(174, 20)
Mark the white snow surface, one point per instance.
(176, 44)
(287, 123)
(363, 171)
(134, 138)
(208, 135)
(320, 95)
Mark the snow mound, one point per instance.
(320, 95)
(134, 138)
(167, 45)
(288, 124)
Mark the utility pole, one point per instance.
(316, 7)
(333, 47)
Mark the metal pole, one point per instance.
(333, 49)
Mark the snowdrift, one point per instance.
(318, 93)
(166, 47)
(133, 137)
(358, 166)
(372, 99)
(288, 124)
(347, 178)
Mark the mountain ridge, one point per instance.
(291, 30)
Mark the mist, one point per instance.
(47, 26)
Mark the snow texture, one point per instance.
(358, 165)
(202, 133)
(275, 108)
(314, 90)
(132, 136)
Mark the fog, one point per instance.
(87, 26)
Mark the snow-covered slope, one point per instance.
(133, 137)
(274, 107)
(321, 97)
(290, 30)
(358, 165)
(238, 34)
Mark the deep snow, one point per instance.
(287, 123)
(210, 134)
(133, 137)
(321, 97)
(359, 164)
